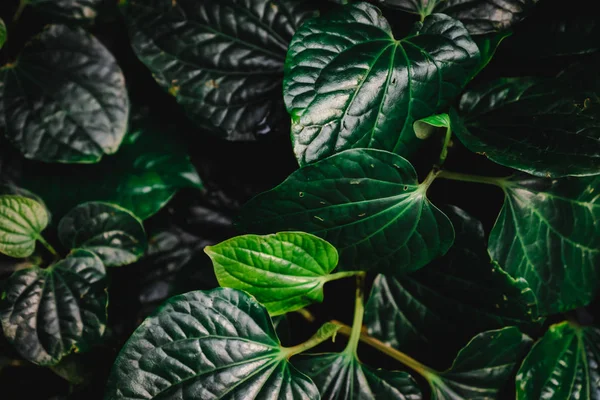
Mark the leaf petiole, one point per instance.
(48, 246)
(342, 275)
(489, 180)
(326, 331)
(359, 312)
(22, 5)
(444, 152)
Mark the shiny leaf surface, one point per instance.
(68, 9)
(49, 313)
(365, 202)
(21, 222)
(64, 99)
(350, 84)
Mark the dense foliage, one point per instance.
(277, 199)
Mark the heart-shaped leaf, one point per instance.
(463, 291)
(547, 127)
(350, 84)
(22, 221)
(68, 9)
(207, 345)
(367, 203)
(64, 99)
(564, 364)
(548, 233)
(49, 313)
(342, 376)
(112, 232)
(222, 60)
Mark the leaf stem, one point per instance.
(489, 180)
(48, 246)
(423, 370)
(342, 275)
(359, 312)
(307, 315)
(328, 330)
(22, 5)
(433, 174)
(444, 152)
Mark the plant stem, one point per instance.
(410, 362)
(342, 275)
(325, 332)
(444, 152)
(48, 246)
(489, 180)
(307, 315)
(434, 173)
(359, 312)
(22, 5)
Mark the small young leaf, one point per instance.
(64, 99)
(207, 345)
(367, 203)
(548, 233)
(425, 127)
(564, 364)
(3, 34)
(113, 233)
(22, 220)
(68, 9)
(284, 271)
(342, 376)
(350, 84)
(49, 313)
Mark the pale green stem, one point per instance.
(444, 152)
(489, 180)
(48, 246)
(359, 312)
(307, 315)
(433, 174)
(325, 332)
(22, 5)
(341, 275)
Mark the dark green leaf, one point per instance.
(112, 232)
(367, 203)
(64, 99)
(3, 34)
(548, 233)
(564, 364)
(545, 127)
(342, 376)
(49, 313)
(207, 345)
(222, 60)
(142, 177)
(482, 367)
(463, 291)
(488, 44)
(68, 9)
(350, 84)
(22, 220)
(284, 271)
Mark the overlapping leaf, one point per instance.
(49, 313)
(21, 222)
(365, 202)
(548, 233)
(68, 9)
(350, 84)
(64, 99)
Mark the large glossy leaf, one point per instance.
(284, 271)
(151, 166)
(207, 345)
(21, 222)
(463, 291)
(548, 233)
(68, 9)
(546, 127)
(342, 376)
(221, 59)
(564, 364)
(113, 233)
(64, 99)
(49, 313)
(482, 367)
(350, 84)
(479, 16)
(365, 202)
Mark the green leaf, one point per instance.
(222, 60)
(284, 271)
(488, 44)
(49, 313)
(68, 9)
(482, 367)
(479, 16)
(149, 168)
(22, 221)
(64, 99)
(342, 376)
(564, 364)
(350, 84)
(425, 127)
(548, 233)
(545, 127)
(113, 233)
(367, 203)
(207, 345)
(3, 33)
(463, 291)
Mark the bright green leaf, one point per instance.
(49, 313)
(367, 203)
(64, 99)
(350, 84)
(548, 233)
(22, 221)
(222, 60)
(68, 9)
(284, 271)
(113, 233)
(463, 291)
(207, 345)
(425, 127)
(564, 364)
(3, 33)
